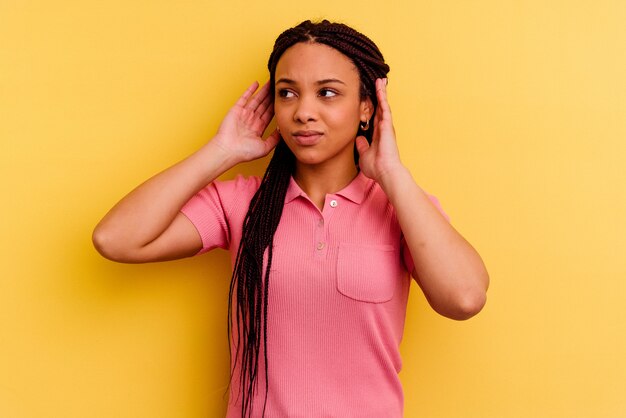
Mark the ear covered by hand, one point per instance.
(382, 155)
(240, 133)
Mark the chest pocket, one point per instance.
(368, 273)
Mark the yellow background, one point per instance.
(511, 112)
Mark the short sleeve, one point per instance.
(406, 253)
(211, 208)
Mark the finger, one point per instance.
(261, 123)
(271, 141)
(265, 104)
(246, 95)
(258, 98)
(381, 94)
(362, 145)
(267, 116)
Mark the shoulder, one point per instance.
(238, 188)
(223, 195)
(376, 193)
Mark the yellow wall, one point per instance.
(511, 112)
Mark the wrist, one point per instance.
(218, 147)
(391, 178)
(220, 150)
(212, 160)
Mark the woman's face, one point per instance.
(317, 104)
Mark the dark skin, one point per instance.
(318, 110)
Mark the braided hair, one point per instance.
(251, 278)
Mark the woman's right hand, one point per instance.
(240, 133)
(147, 225)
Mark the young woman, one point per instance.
(322, 245)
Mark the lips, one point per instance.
(307, 138)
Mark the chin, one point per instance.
(308, 157)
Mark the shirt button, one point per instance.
(320, 223)
(320, 245)
(333, 203)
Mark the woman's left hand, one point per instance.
(381, 157)
(455, 288)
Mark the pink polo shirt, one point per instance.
(337, 298)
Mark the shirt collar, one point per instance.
(354, 191)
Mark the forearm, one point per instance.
(147, 211)
(448, 269)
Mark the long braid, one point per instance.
(251, 279)
(259, 226)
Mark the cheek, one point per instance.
(345, 119)
(281, 114)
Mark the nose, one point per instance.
(306, 109)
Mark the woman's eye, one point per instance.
(327, 93)
(285, 94)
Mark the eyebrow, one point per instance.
(324, 81)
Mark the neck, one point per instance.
(318, 180)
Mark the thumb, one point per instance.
(361, 144)
(271, 141)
